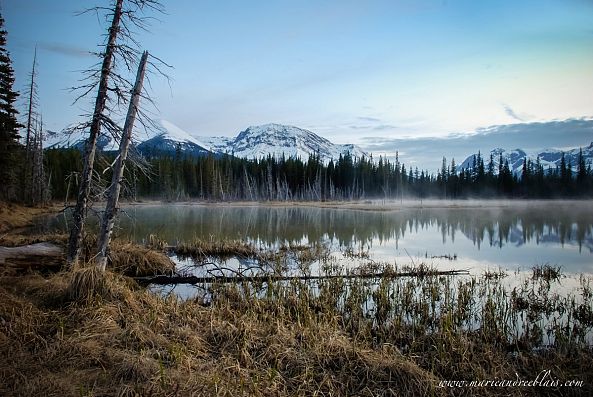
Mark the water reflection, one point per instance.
(513, 235)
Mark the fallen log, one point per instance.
(176, 279)
(32, 256)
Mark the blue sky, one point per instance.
(351, 71)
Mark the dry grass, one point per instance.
(87, 334)
(134, 260)
(120, 341)
(220, 248)
(13, 216)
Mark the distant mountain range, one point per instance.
(549, 158)
(283, 140)
(276, 140)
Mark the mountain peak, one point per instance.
(547, 158)
(256, 141)
(286, 140)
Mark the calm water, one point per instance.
(487, 236)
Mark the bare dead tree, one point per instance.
(111, 81)
(33, 184)
(118, 170)
(39, 185)
(28, 169)
(79, 215)
(33, 99)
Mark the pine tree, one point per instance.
(581, 168)
(9, 125)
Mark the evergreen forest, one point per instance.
(176, 176)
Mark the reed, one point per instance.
(82, 333)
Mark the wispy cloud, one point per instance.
(427, 152)
(371, 119)
(384, 127)
(522, 117)
(508, 110)
(366, 127)
(370, 124)
(64, 49)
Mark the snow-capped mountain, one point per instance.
(170, 139)
(254, 142)
(167, 138)
(76, 139)
(549, 158)
(278, 140)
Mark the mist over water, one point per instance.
(479, 235)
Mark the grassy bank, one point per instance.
(14, 217)
(79, 333)
(85, 334)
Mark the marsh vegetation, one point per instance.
(364, 325)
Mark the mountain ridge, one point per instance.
(278, 140)
(254, 142)
(549, 158)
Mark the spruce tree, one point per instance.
(581, 168)
(9, 125)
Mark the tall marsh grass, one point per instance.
(87, 334)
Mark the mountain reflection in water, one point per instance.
(506, 236)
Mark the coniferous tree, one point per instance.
(491, 167)
(9, 125)
(581, 169)
(33, 184)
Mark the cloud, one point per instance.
(427, 152)
(381, 127)
(384, 127)
(370, 124)
(522, 117)
(64, 49)
(371, 119)
(508, 110)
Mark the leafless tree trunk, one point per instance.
(31, 106)
(38, 182)
(28, 170)
(79, 215)
(118, 171)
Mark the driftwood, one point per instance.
(40, 255)
(176, 279)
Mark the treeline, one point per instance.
(213, 177)
(32, 175)
(22, 170)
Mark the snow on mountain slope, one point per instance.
(55, 139)
(254, 142)
(217, 144)
(280, 140)
(76, 139)
(169, 139)
(549, 158)
(176, 134)
(514, 157)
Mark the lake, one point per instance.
(504, 245)
(470, 235)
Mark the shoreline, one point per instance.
(369, 205)
(76, 332)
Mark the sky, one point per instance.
(387, 75)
